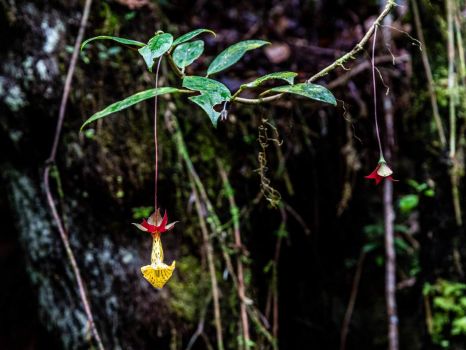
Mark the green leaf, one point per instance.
(188, 36)
(429, 193)
(207, 104)
(206, 85)
(232, 54)
(287, 76)
(408, 203)
(212, 94)
(312, 91)
(187, 53)
(368, 247)
(129, 101)
(401, 245)
(113, 38)
(156, 47)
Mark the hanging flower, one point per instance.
(381, 171)
(155, 223)
(157, 273)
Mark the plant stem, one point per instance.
(344, 78)
(390, 267)
(453, 99)
(156, 143)
(199, 192)
(51, 161)
(451, 78)
(389, 219)
(374, 91)
(174, 67)
(239, 265)
(214, 221)
(210, 261)
(352, 301)
(390, 4)
(338, 63)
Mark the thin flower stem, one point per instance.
(374, 85)
(156, 143)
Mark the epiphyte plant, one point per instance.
(205, 92)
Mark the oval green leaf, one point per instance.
(312, 91)
(113, 38)
(188, 36)
(233, 54)
(156, 47)
(408, 203)
(286, 76)
(187, 53)
(212, 94)
(129, 101)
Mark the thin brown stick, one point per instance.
(214, 222)
(352, 301)
(453, 96)
(343, 79)
(239, 245)
(389, 218)
(390, 266)
(49, 164)
(390, 4)
(430, 79)
(338, 63)
(275, 310)
(211, 263)
(451, 77)
(200, 324)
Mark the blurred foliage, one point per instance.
(447, 317)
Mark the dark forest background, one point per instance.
(303, 260)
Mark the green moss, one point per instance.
(189, 289)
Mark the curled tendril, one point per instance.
(270, 193)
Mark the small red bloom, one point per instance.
(381, 171)
(155, 223)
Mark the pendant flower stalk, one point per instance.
(382, 170)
